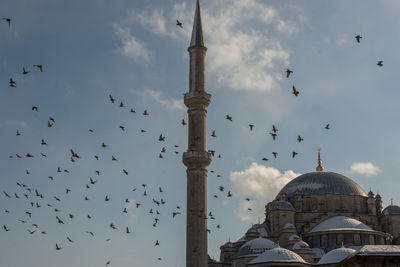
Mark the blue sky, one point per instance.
(134, 51)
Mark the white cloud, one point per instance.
(261, 184)
(364, 168)
(239, 56)
(342, 40)
(172, 104)
(155, 21)
(131, 46)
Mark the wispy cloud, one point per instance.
(261, 184)
(364, 168)
(240, 58)
(168, 103)
(130, 45)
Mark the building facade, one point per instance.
(319, 218)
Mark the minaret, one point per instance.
(197, 158)
(319, 167)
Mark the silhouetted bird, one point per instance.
(251, 127)
(111, 99)
(295, 92)
(35, 108)
(294, 153)
(179, 24)
(358, 38)
(8, 20)
(327, 127)
(229, 118)
(275, 154)
(288, 72)
(24, 71)
(299, 139)
(380, 63)
(183, 122)
(40, 67)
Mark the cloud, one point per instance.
(171, 103)
(260, 184)
(342, 40)
(239, 56)
(131, 46)
(364, 168)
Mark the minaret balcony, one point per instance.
(197, 158)
(196, 98)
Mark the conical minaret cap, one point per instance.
(197, 32)
(319, 167)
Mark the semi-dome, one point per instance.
(255, 246)
(336, 255)
(282, 205)
(340, 223)
(278, 255)
(391, 210)
(320, 183)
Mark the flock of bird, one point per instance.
(36, 199)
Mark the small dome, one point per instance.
(391, 210)
(289, 226)
(294, 237)
(340, 223)
(282, 205)
(336, 255)
(255, 246)
(278, 255)
(320, 183)
(300, 245)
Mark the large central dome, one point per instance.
(320, 183)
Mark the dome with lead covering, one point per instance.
(255, 247)
(336, 255)
(320, 183)
(391, 210)
(340, 223)
(282, 205)
(278, 255)
(300, 245)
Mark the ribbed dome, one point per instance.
(340, 223)
(336, 255)
(320, 183)
(255, 246)
(278, 255)
(391, 210)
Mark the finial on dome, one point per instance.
(391, 202)
(197, 32)
(319, 167)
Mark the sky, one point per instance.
(134, 51)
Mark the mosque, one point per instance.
(320, 218)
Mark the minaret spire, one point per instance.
(319, 167)
(197, 159)
(197, 32)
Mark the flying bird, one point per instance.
(24, 71)
(275, 154)
(13, 83)
(213, 134)
(274, 135)
(327, 127)
(111, 99)
(251, 126)
(295, 92)
(380, 63)
(40, 67)
(179, 24)
(229, 118)
(294, 153)
(288, 72)
(358, 38)
(8, 20)
(35, 108)
(183, 122)
(299, 139)
(145, 112)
